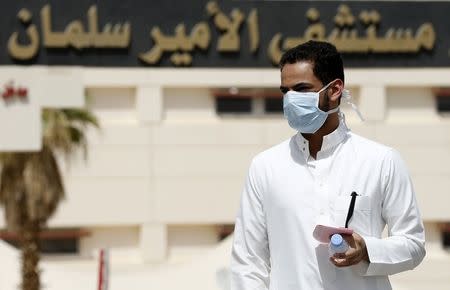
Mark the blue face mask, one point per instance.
(301, 109)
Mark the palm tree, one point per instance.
(31, 186)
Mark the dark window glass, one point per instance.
(239, 105)
(446, 239)
(443, 104)
(273, 105)
(59, 246)
(53, 246)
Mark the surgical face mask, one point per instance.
(301, 109)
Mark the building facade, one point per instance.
(165, 172)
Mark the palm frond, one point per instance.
(79, 140)
(31, 184)
(55, 132)
(81, 116)
(64, 129)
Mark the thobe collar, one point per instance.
(329, 141)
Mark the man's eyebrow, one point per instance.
(300, 86)
(297, 86)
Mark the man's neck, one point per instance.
(315, 140)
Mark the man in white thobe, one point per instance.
(295, 184)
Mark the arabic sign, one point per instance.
(205, 33)
(12, 93)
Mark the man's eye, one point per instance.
(284, 90)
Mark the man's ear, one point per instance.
(335, 90)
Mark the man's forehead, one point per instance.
(299, 72)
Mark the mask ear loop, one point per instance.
(347, 97)
(332, 110)
(328, 98)
(325, 87)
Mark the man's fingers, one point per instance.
(351, 257)
(339, 262)
(355, 259)
(345, 262)
(350, 254)
(350, 239)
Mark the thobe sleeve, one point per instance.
(250, 258)
(404, 248)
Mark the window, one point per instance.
(225, 230)
(52, 241)
(446, 235)
(248, 101)
(273, 105)
(237, 105)
(442, 99)
(443, 104)
(446, 239)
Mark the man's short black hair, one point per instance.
(326, 60)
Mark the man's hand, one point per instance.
(356, 253)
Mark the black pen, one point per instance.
(351, 208)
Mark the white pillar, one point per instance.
(149, 103)
(433, 236)
(372, 102)
(153, 242)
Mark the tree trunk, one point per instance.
(30, 255)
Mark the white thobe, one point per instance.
(287, 192)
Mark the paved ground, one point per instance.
(433, 274)
(189, 273)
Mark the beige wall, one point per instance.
(120, 241)
(164, 158)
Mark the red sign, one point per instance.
(11, 93)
